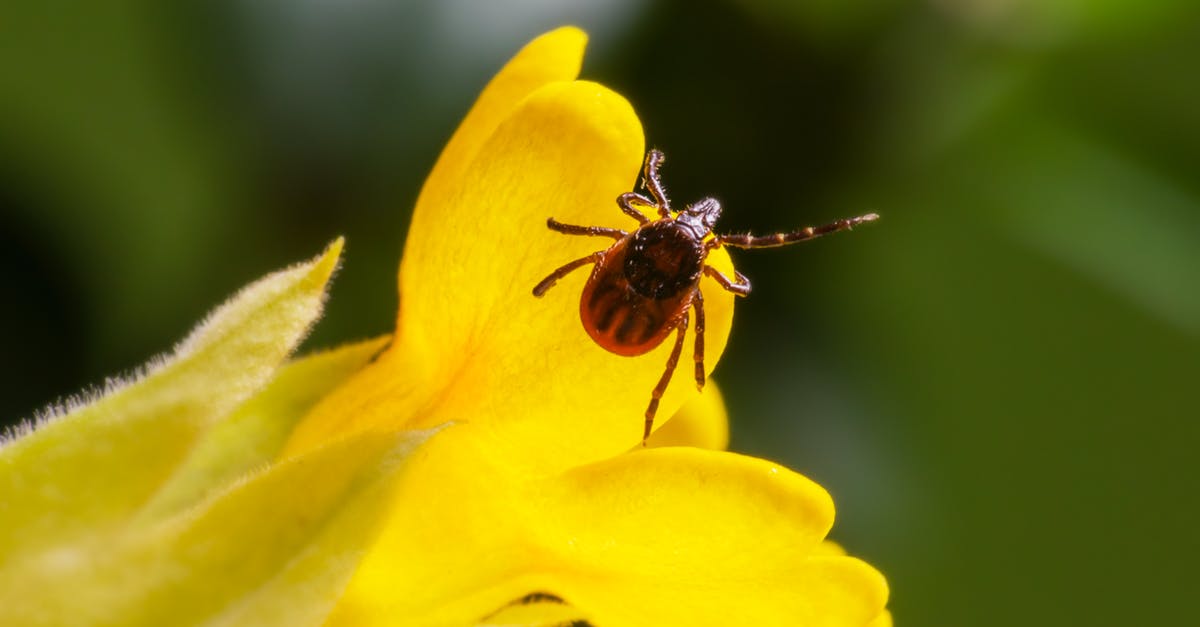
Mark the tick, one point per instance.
(645, 285)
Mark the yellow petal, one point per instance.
(475, 346)
(455, 545)
(701, 422)
(693, 537)
(252, 435)
(83, 473)
(831, 548)
(662, 536)
(553, 57)
(276, 549)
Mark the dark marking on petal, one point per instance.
(538, 597)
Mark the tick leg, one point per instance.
(627, 201)
(549, 281)
(698, 352)
(741, 287)
(652, 182)
(672, 361)
(806, 233)
(571, 229)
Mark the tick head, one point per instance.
(701, 215)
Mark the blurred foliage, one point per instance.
(994, 381)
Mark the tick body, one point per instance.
(640, 290)
(646, 285)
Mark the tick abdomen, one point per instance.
(617, 316)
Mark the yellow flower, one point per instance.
(480, 467)
(471, 343)
(534, 488)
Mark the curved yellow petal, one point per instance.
(662, 536)
(830, 548)
(553, 57)
(701, 422)
(475, 346)
(693, 537)
(456, 545)
(724, 512)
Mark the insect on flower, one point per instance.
(643, 286)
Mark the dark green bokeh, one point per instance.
(994, 381)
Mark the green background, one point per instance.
(997, 381)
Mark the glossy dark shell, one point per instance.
(645, 283)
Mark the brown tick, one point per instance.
(643, 285)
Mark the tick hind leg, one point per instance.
(698, 352)
(672, 361)
(740, 286)
(548, 282)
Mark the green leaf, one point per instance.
(78, 476)
(276, 549)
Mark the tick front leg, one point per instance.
(698, 352)
(652, 182)
(741, 287)
(571, 229)
(806, 233)
(548, 282)
(672, 361)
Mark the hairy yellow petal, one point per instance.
(80, 474)
(276, 549)
(252, 435)
(701, 422)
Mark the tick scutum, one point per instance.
(663, 260)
